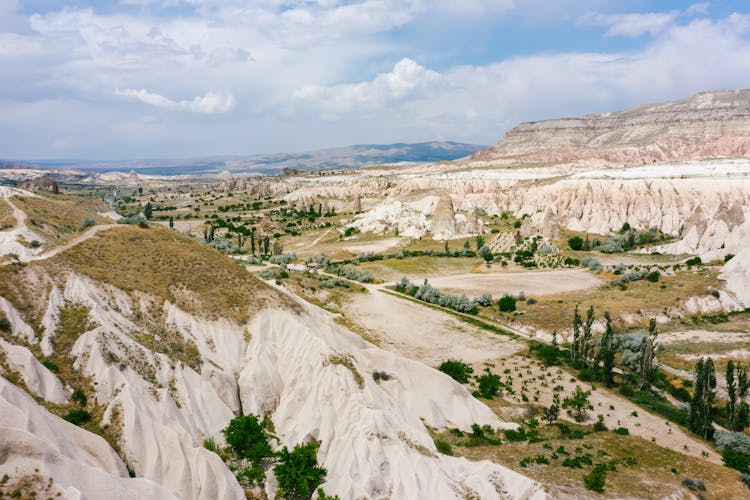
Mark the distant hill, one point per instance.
(357, 156)
(707, 125)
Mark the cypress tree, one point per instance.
(701, 406)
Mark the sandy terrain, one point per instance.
(625, 414)
(424, 334)
(530, 282)
(373, 246)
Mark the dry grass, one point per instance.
(173, 267)
(7, 219)
(345, 360)
(555, 312)
(650, 477)
(394, 269)
(59, 217)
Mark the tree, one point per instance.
(171, 222)
(479, 241)
(737, 387)
(489, 384)
(586, 336)
(575, 243)
(457, 370)
(507, 303)
(577, 326)
(606, 355)
(147, 210)
(649, 347)
(298, 472)
(578, 404)
(551, 413)
(486, 254)
(246, 435)
(596, 479)
(701, 405)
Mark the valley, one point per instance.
(524, 322)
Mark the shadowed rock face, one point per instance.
(706, 125)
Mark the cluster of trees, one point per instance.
(733, 444)
(297, 471)
(625, 239)
(428, 293)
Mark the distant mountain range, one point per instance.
(357, 156)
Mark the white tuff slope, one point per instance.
(373, 437)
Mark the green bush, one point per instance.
(489, 385)
(575, 243)
(736, 460)
(594, 480)
(507, 303)
(5, 324)
(298, 472)
(79, 397)
(457, 370)
(653, 276)
(50, 365)
(246, 435)
(622, 431)
(443, 447)
(693, 484)
(78, 416)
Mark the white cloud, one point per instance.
(631, 25)
(698, 8)
(212, 102)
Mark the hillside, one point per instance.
(161, 341)
(707, 125)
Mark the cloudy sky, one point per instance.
(183, 78)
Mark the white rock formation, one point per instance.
(312, 377)
(736, 273)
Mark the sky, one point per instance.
(136, 79)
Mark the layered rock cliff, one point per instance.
(706, 125)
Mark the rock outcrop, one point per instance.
(707, 125)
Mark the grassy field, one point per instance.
(394, 269)
(7, 220)
(555, 312)
(59, 217)
(173, 267)
(655, 473)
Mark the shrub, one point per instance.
(575, 243)
(210, 444)
(298, 471)
(489, 385)
(745, 479)
(622, 431)
(514, 435)
(79, 397)
(5, 324)
(283, 259)
(380, 375)
(595, 479)
(735, 441)
(443, 447)
(87, 223)
(50, 365)
(507, 303)
(246, 435)
(695, 261)
(599, 424)
(736, 460)
(457, 370)
(653, 276)
(35, 244)
(78, 416)
(693, 484)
